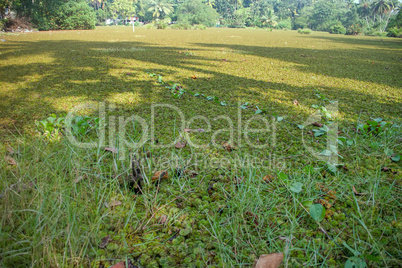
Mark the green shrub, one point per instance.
(354, 30)
(304, 31)
(161, 25)
(200, 27)
(61, 15)
(285, 24)
(3, 24)
(337, 29)
(77, 15)
(395, 32)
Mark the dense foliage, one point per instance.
(338, 16)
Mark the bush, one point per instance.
(62, 15)
(337, 29)
(236, 22)
(285, 24)
(161, 25)
(77, 15)
(200, 27)
(304, 31)
(3, 24)
(395, 32)
(354, 30)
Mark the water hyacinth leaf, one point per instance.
(296, 187)
(317, 212)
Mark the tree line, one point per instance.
(335, 16)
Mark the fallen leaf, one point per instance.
(268, 178)
(190, 173)
(356, 192)
(163, 219)
(269, 260)
(121, 264)
(111, 149)
(310, 133)
(345, 168)
(105, 241)
(296, 102)
(194, 77)
(228, 147)
(224, 60)
(10, 150)
(113, 204)
(325, 203)
(161, 174)
(188, 130)
(11, 161)
(180, 145)
(238, 180)
(252, 216)
(78, 179)
(317, 124)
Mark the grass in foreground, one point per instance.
(60, 203)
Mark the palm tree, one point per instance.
(160, 7)
(381, 7)
(364, 10)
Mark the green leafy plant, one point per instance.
(304, 31)
(51, 127)
(375, 126)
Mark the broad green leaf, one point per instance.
(296, 187)
(389, 152)
(307, 203)
(300, 126)
(280, 118)
(396, 158)
(349, 142)
(355, 262)
(283, 177)
(317, 212)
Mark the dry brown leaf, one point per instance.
(356, 192)
(11, 161)
(190, 173)
(317, 124)
(325, 203)
(268, 178)
(188, 130)
(111, 149)
(113, 204)
(105, 241)
(194, 77)
(238, 180)
(160, 174)
(163, 219)
(121, 264)
(10, 150)
(180, 145)
(269, 261)
(228, 147)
